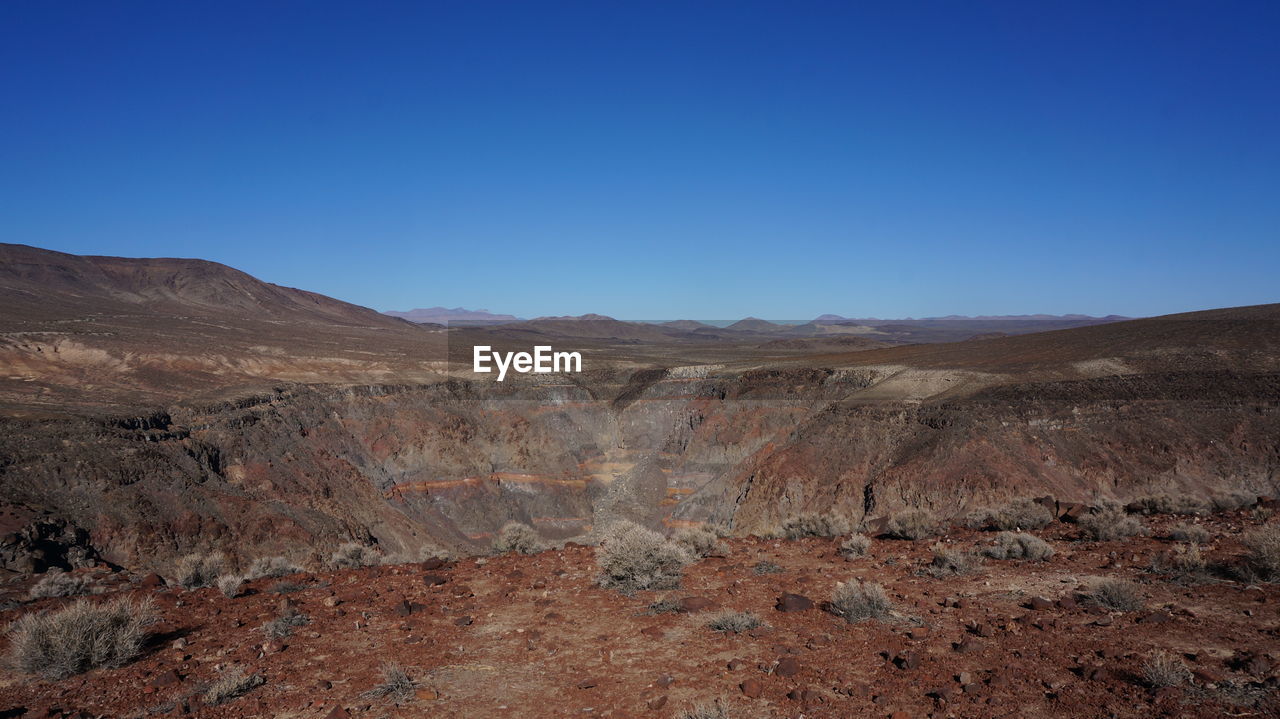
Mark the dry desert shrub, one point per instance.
(1171, 504)
(700, 542)
(978, 518)
(633, 558)
(856, 600)
(730, 621)
(396, 686)
(1163, 669)
(233, 683)
(1262, 552)
(229, 585)
(283, 625)
(1232, 501)
(201, 570)
(1186, 532)
(912, 524)
(1109, 524)
(1019, 545)
(706, 710)
(80, 637)
(57, 583)
(812, 524)
(856, 545)
(271, 567)
(518, 537)
(1023, 514)
(949, 562)
(1118, 594)
(766, 567)
(353, 555)
(1184, 563)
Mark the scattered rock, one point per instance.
(751, 688)
(787, 667)
(793, 603)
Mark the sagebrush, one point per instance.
(1109, 525)
(200, 570)
(80, 637)
(633, 558)
(912, 524)
(60, 584)
(352, 555)
(735, 622)
(701, 542)
(1019, 545)
(812, 524)
(1023, 514)
(1113, 593)
(857, 600)
(518, 537)
(233, 683)
(950, 562)
(856, 545)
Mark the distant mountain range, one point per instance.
(978, 318)
(445, 315)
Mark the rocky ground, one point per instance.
(533, 636)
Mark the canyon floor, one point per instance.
(534, 636)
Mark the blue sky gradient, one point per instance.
(702, 159)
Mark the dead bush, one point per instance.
(1019, 545)
(1118, 594)
(229, 585)
(1232, 501)
(353, 555)
(396, 686)
(632, 558)
(57, 583)
(949, 562)
(912, 524)
(201, 570)
(1023, 514)
(1170, 504)
(856, 545)
(1109, 525)
(978, 518)
(1262, 552)
(706, 710)
(856, 600)
(1183, 563)
(767, 567)
(730, 621)
(812, 524)
(1186, 532)
(284, 624)
(271, 567)
(701, 542)
(80, 637)
(518, 537)
(233, 684)
(1163, 669)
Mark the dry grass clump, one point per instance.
(1163, 669)
(271, 567)
(978, 518)
(912, 524)
(1170, 504)
(1109, 524)
(730, 621)
(80, 637)
(1184, 563)
(632, 558)
(1019, 545)
(1232, 501)
(233, 683)
(948, 562)
(1023, 514)
(353, 555)
(706, 710)
(518, 537)
(856, 600)
(1186, 532)
(1118, 594)
(57, 583)
(201, 570)
(230, 584)
(856, 545)
(812, 524)
(397, 686)
(1262, 552)
(701, 542)
(766, 567)
(283, 625)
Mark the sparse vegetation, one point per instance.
(1186, 532)
(286, 587)
(80, 637)
(767, 567)
(1023, 514)
(1232, 501)
(1118, 594)
(978, 518)
(1184, 563)
(353, 555)
(396, 686)
(518, 537)
(271, 567)
(229, 585)
(1163, 669)
(233, 683)
(200, 570)
(1019, 545)
(283, 625)
(57, 583)
(700, 542)
(730, 621)
(666, 605)
(706, 710)
(856, 600)
(1262, 552)
(948, 562)
(855, 546)
(1171, 504)
(812, 524)
(633, 558)
(1109, 524)
(912, 524)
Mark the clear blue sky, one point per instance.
(696, 159)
